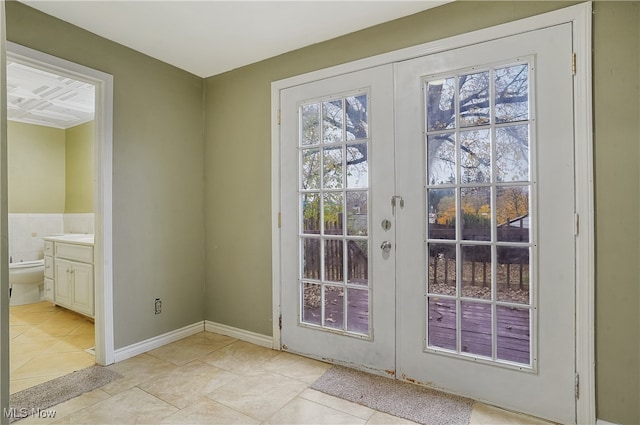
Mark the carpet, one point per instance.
(35, 399)
(409, 401)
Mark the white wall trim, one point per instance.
(157, 341)
(601, 422)
(241, 334)
(580, 17)
(103, 158)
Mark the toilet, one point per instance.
(26, 282)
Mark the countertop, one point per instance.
(77, 238)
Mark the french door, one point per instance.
(428, 225)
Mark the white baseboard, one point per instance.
(601, 422)
(157, 341)
(241, 334)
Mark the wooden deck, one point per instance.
(513, 329)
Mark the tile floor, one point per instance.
(209, 378)
(46, 342)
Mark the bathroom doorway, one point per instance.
(101, 223)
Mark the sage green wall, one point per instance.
(79, 175)
(238, 179)
(158, 231)
(36, 168)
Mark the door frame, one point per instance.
(103, 175)
(580, 16)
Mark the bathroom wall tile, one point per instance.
(26, 233)
(79, 223)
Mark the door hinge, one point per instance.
(577, 386)
(279, 114)
(279, 220)
(573, 64)
(576, 223)
(280, 322)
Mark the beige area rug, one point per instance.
(35, 400)
(409, 401)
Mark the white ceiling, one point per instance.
(38, 97)
(205, 37)
(209, 37)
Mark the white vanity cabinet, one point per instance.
(49, 273)
(72, 284)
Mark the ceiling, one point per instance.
(205, 38)
(209, 37)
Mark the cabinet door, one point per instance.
(63, 282)
(48, 289)
(82, 289)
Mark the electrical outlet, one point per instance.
(158, 308)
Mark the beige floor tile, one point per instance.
(301, 411)
(53, 363)
(206, 411)
(240, 357)
(68, 407)
(297, 367)
(336, 403)
(31, 318)
(133, 406)
(483, 414)
(186, 384)
(381, 418)
(258, 394)
(71, 343)
(135, 371)
(17, 330)
(187, 349)
(84, 328)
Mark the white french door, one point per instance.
(337, 176)
(428, 221)
(486, 241)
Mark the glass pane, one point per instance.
(357, 166)
(310, 169)
(442, 269)
(442, 213)
(358, 262)
(512, 277)
(476, 329)
(311, 303)
(332, 167)
(512, 93)
(357, 223)
(441, 159)
(334, 306)
(512, 213)
(514, 334)
(357, 120)
(311, 213)
(358, 311)
(311, 258)
(442, 323)
(475, 156)
(332, 121)
(512, 153)
(440, 104)
(476, 213)
(333, 213)
(310, 125)
(476, 271)
(333, 260)
(474, 99)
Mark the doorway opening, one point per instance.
(102, 84)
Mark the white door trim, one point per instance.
(580, 17)
(103, 159)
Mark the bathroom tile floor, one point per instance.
(209, 378)
(46, 341)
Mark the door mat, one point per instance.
(397, 398)
(35, 399)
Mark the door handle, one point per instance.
(386, 246)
